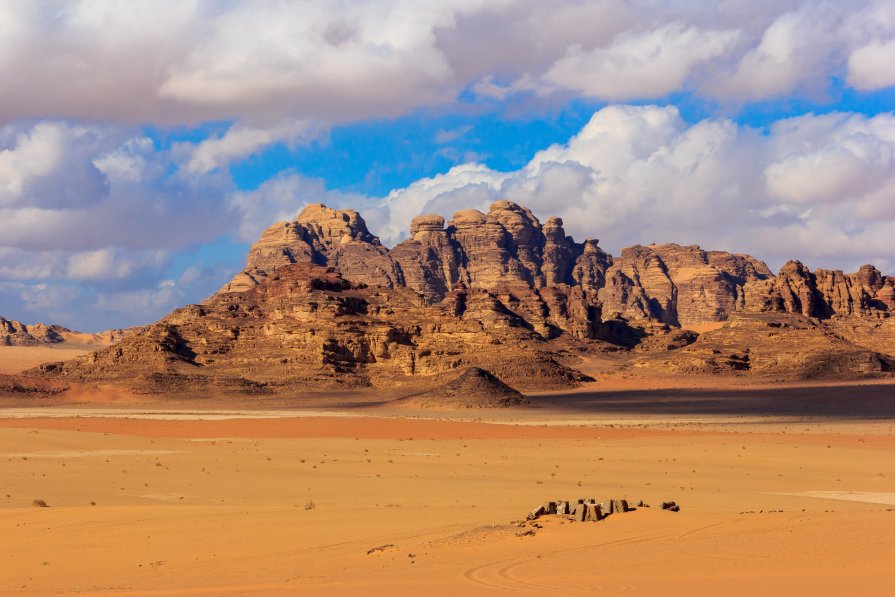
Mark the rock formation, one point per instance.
(307, 328)
(323, 304)
(16, 333)
(473, 389)
(508, 248)
(783, 346)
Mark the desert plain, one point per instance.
(783, 490)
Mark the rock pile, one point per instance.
(671, 506)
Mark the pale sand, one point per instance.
(15, 359)
(176, 516)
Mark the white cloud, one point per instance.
(241, 140)
(800, 49)
(817, 188)
(642, 64)
(870, 66)
(48, 166)
(188, 61)
(112, 264)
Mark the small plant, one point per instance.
(310, 505)
(40, 504)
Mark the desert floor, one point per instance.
(147, 503)
(784, 490)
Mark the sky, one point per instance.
(145, 144)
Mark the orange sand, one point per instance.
(223, 507)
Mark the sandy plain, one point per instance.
(784, 490)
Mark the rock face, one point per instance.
(323, 236)
(509, 251)
(323, 304)
(784, 346)
(824, 293)
(307, 328)
(16, 333)
(679, 285)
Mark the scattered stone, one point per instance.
(528, 533)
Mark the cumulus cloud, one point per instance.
(643, 64)
(870, 66)
(87, 207)
(813, 187)
(241, 140)
(184, 62)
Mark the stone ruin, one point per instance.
(589, 510)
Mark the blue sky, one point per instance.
(134, 177)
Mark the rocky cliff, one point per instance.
(510, 248)
(306, 327)
(323, 304)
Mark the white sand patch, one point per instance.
(870, 497)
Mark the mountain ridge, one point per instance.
(322, 304)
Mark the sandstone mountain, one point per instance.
(323, 304)
(307, 328)
(16, 333)
(509, 248)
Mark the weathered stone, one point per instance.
(536, 513)
(593, 512)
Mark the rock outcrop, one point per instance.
(678, 285)
(322, 236)
(474, 388)
(307, 328)
(323, 304)
(825, 293)
(16, 333)
(780, 345)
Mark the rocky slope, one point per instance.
(474, 388)
(778, 345)
(323, 304)
(307, 328)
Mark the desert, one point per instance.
(386, 298)
(300, 432)
(155, 501)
